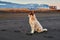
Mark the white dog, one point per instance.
(34, 23)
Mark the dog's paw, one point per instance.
(45, 30)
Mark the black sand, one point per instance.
(15, 26)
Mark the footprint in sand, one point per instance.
(58, 30)
(48, 36)
(3, 30)
(9, 31)
(16, 31)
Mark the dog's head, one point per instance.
(31, 14)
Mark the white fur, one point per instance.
(35, 25)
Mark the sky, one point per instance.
(49, 2)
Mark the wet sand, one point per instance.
(14, 26)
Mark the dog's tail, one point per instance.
(45, 29)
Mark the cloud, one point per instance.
(34, 1)
(2, 4)
(49, 2)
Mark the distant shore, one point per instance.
(24, 10)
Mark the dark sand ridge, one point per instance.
(10, 23)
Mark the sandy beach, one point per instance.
(14, 26)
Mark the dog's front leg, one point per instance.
(32, 29)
